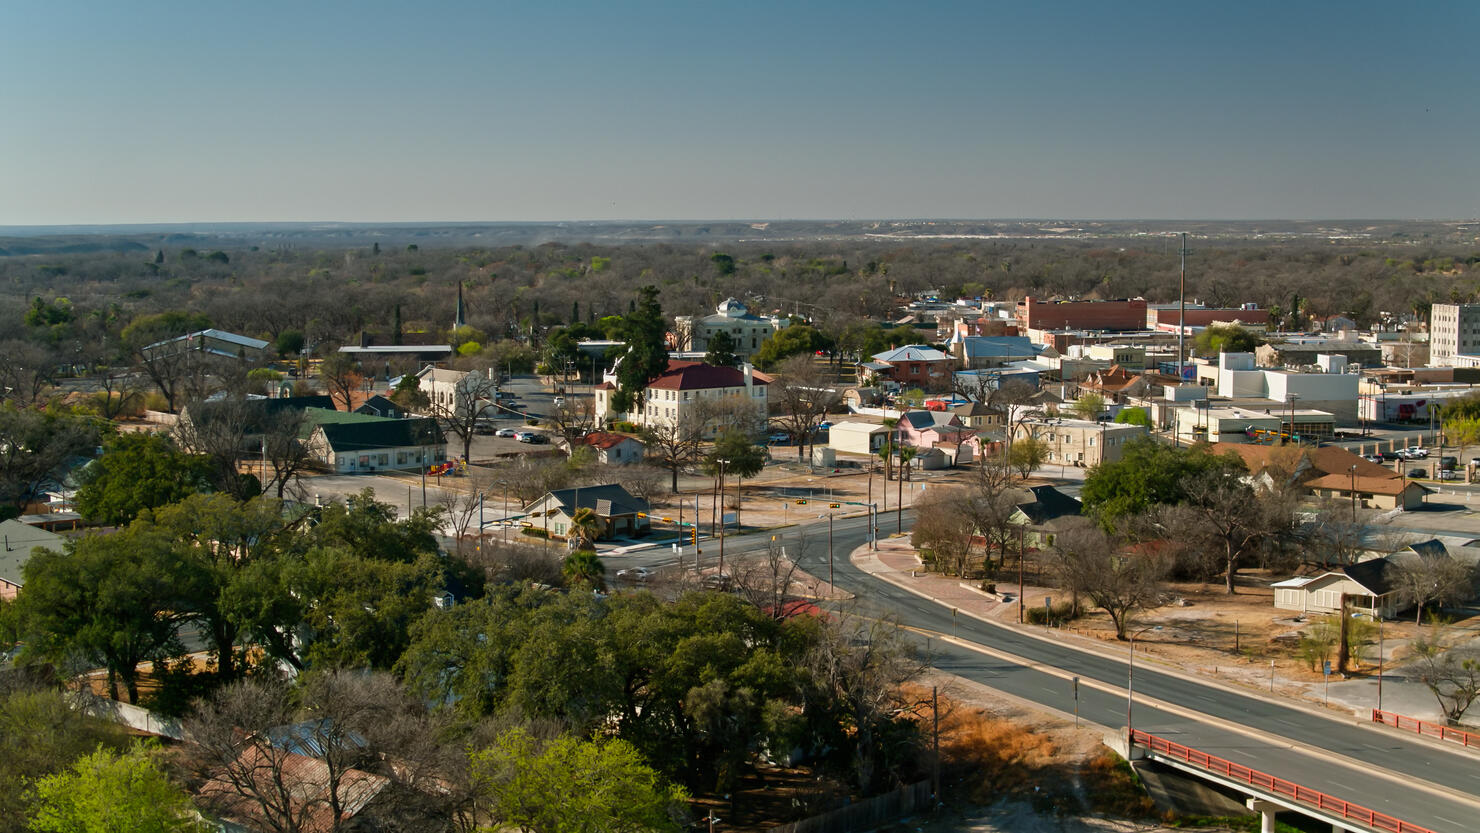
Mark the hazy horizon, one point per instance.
(166, 113)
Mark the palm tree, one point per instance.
(585, 528)
(584, 567)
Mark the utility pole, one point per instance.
(722, 464)
(1022, 556)
(829, 549)
(1182, 311)
(935, 741)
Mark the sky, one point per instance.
(371, 111)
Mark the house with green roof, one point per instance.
(370, 444)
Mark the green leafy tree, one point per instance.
(34, 445)
(289, 343)
(1148, 473)
(1225, 338)
(724, 264)
(721, 351)
(139, 471)
(794, 340)
(1027, 454)
(1088, 406)
(646, 355)
(106, 792)
(41, 733)
(1133, 416)
(743, 459)
(584, 568)
(111, 600)
(571, 785)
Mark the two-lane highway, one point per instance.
(1354, 762)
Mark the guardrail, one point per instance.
(1423, 727)
(1278, 786)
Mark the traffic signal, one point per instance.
(835, 506)
(801, 502)
(642, 514)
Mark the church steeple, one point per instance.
(459, 319)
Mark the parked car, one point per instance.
(506, 432)
(1448, 462)
(558, 401)
(824, 426)
(635, 574)
(1417, 472)
(717, 581)
(1372, 458)
(1417, 452)
(778, 438)
(1475, 461)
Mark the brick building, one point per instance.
(1125, 314)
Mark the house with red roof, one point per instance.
(611, 448)
(719, 397)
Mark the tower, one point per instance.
(459, 318)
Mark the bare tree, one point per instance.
(1229, 518)
(1336, 535)
(801, 399)
(944, 528)
(285, 451)
(1452, 674)
(470, 405)
(342, 378)
(461, 505)
(1440, 581)
(28, 370)
(573, 418)
(120, 389)
(642, 482)
(1088, 562)
(223, 431)
(676, 446)
(767, 582)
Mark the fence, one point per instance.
(1278, 786)
(134, 717)
(1422, 727)
(866, 814)
(161, 417)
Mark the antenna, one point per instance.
(1182, 312)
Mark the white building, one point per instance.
(455, 391)
(733, 398)
(1454, 335)
(1332, 390)
(747, 331)
(1079, 442)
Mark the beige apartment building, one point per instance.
(1078, 442)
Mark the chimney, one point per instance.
(749, 370)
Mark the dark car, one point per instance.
(1418, 473)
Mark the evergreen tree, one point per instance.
(646, 354)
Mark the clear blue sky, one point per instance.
(118, 112)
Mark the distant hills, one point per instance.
(34, 240)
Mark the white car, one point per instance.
(506, 432)
(635, 574)
(1417, 452)
(558, 401)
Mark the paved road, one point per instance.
(1381, 751)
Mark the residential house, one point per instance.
(19, 540)
(456, 391)
(619, 513)
(858, 437)
(1328, 472)
(1043, 515)
(1367, 587)
(381, 407)
(686, 390)
(978, 352)
(612, 448)
(1115, 385)
(978, 416)
(911, 366)
(378, 445)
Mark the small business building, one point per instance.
(615, 507)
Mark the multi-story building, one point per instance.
(1454, 335)
(694, 392)
(1126, 315)
(914, 365)
(1078, 442)
(746, 330)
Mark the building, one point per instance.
(369, 445)
(457, 391)
(856, 437)
(911, 366)
(611, 448)
(978, 416)
(19, 540)
(1304, 352)
(616, 509)
(1078, 442)
(1328, 472)
(210, 342)
(977, 352)
(1454, 335)
(380, 406)
(1365, 587)
(1119, 315)
(1209, 422)
(1167, 316)
(1388, 492)
(1115, 385)
(721, 397)
(1332, 389)
(746, 330)
(1044, 514)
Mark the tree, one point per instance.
(34, 447)
(944, 529)
(574, 786)
(105, 792)
(112, 600)
(222, 432)
(646, 355)
(1463, 432)
(585, 527)
(795, 340)
(469, 406)
(1223, 515)
(1088, 406)
(1438, 581)
(802, 399)
(42, 732)
(139, 471)
(742, 458)
(28, 371)
(342, 378)
(676, 445)
(1087, 562)
(179, 371)
(1148, 473)
(1133, 416)
(1451, 673)
(1027, 454)
(584, 568)
(721, 351)
(1225, 338)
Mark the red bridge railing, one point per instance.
(1423, 727)
(1278, 786)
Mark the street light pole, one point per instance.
(1354, 494)
(1130, 685)
(722, 464)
